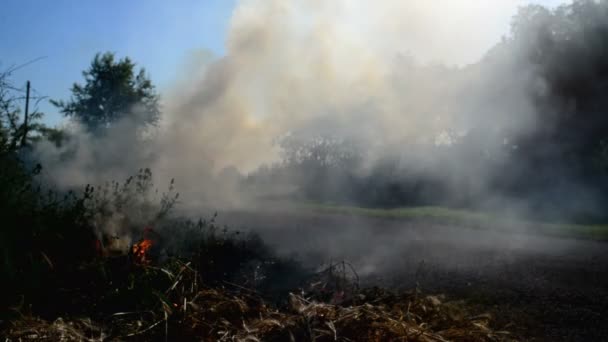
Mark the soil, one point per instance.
(544, 288)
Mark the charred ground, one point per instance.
(550, 287)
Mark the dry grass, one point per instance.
(34, 329)
(331, 307)
(223, 315)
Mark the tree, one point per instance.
(112, 91)
(569, 55)
(15, 130)
(7, 112)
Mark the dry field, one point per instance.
(553, 288)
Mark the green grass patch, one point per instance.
(469, 219)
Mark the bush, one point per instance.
(60, 256)
(43, 234)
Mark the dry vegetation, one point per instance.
(331, 309)
(191, 280)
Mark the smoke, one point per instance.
(374, 74)
(398, 78)
(386, 103)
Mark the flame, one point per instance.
(140, 251)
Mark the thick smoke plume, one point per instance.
(414, 84)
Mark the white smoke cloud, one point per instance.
(342, 67)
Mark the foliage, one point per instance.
(61, 255)
(132, 204)
(14, 132)
(47, 236)
(566, 45)
(42, 233)
(112, 91)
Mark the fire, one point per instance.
(140, 251)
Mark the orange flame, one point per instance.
(140, 251)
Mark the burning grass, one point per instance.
(186, 280)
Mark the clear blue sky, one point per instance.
(157, 34)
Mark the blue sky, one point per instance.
(156, 34)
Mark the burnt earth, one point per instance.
(545, 288)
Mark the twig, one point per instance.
(130, 313)
(17, 67)
(145, 330)
(241, 287)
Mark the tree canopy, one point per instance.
(113, 90)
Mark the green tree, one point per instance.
(112, 91)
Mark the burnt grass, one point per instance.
(544, 288)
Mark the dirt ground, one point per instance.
(547, 288)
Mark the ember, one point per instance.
(140, 251)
